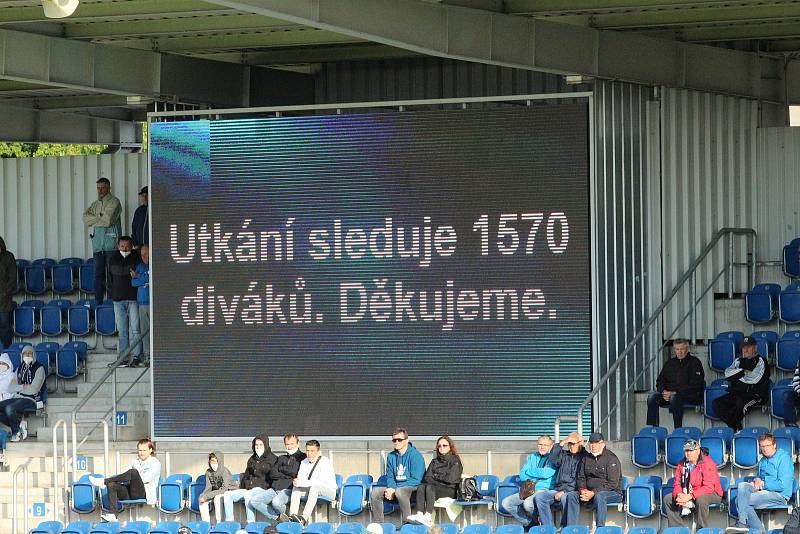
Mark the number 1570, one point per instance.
(508, 239)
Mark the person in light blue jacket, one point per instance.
(772, 487)
(542, 472)
(405, 468)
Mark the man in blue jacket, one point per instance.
(772, 487)
(141, 281)
(541, 472)
(566, 458)
(405, 468)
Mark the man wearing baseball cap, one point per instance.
(599, 478)
(696, 487)
(748, 386)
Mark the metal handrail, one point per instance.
(60, 422)
(14, 519)
(75, 423)
(113, 408)
(690, 271)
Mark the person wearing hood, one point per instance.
(566, 458)
(405, 468)
(27, 392)
(441, 480)
(121, 271)
(599, 478)
(697, 486)
(103, 215)
(256, 475)
(7, 377)
(8, 285)
(272, 502)
(218, 481)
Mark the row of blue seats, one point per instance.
(727, 346)
(765, 302)
(67, 360)
(791, 259)
(60, 277)
(652, 445)
(32, 317)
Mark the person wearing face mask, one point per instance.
(123, 293)
(256, 475)
(599, 478)
(218, 481)
(27, 392)
(103, 216)
(272, 502)
(7, 377)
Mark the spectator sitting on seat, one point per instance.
(122, 292)
(791, 399)
(681, 381)
(140, 231)
(599, 478)
(7, 377)
(103, 216)
(773, 486)
(316, 478)
(28, 391)
(256, 475)
(139, 481)
(696, 487)
(405, 468)
(748, 379)
(272, 502)
(8, 285)
(441, 480)
(541, 472)
(566, 459)
(141, 281)
(218, 481)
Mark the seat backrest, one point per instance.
(82, 527)
(517, 529)
(449, 528)
(199, 527)
(358, 528)
(67, 363)
(487, 484)
(366, 480)
(575, 529)
(642, 530)
(86, 278)
(35, 280)
(63, 281)
(319, 528)
(257, 527)
(227, 527)
(289, 528)
(51, 321)
(676, 530)
(513, 479)
(608, 530)
(180, 478)
(112, 527)
(81, 347)
(351, 499)
(78, 320)
(477, 529)
(135, 527)
(50, 526)
(105, 322)
(82, 497)
(166, 527)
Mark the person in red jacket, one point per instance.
(696, 487)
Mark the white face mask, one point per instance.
(125, 253)
(3, 369)
(213, 467)
(259, 451)
(292, 451)
(28, 360)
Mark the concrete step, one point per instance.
(141, 389)
(67, 403)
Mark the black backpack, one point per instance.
(468, 490)
(792, 525)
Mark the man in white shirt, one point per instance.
(315, 478)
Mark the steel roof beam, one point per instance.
(114, 11)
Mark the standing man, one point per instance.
(696, 488)
(8, 285)
(772, 487)
(539, 470)
(566, 458)
(405, 468)
(599, 478)
(103, 215)
(748, 386)
(681, 381)
(126, 310)
(316, 478)
(140, 227)
(141, 281)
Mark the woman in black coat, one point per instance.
(441, 480)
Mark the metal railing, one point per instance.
(65, 469)
(26, 501)
(690, 276)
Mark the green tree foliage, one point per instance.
(33, 150)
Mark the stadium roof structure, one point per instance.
(113, 60)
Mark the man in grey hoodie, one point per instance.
(218, 481)
(8, 284)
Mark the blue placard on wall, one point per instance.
(122, 418)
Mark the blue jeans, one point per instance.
(269, 502)
(749, 498)
(232, 496)
(100, 276)
(522, 510)
(600, 503)
(570, 507)
(11, 411)
(6, 332)
(126, 315)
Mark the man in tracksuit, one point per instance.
(567, 457)
(748, 386)
(681, 381)
(599, 478)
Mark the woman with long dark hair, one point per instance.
(441, 480)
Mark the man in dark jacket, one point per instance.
(567, 457)
(680, 382)
(8, 285)
(140, 229)
(748, 386)
(121, 270)
(259, 466)
(272, 502)
(599, 478)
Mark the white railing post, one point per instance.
(56, 489)
(14, 504)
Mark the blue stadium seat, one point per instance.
(63, 281)
(723, 349)
(791, 259)
(479, 528)
(24, 321)
(105, 322)
(761, 303)
(135, 527)
(51, 325)
(19, 345)
(789, 304)
(449, 528)
(195, 489)
(354, 496)
(788, 350)
(776, 397)
(744, 452)
(487, 484)
(766, 342)
(79, 321)
(666, 489)
(358, 528)
(674, 530)
(47, 527)
(68, 365)
(388, 507)
(643, 496)
(575, 529)
(611, 530)
(81, 347)
(77, 527)
(15, 356)
(647, 446)
(717, 388)
(167, 527)
(733, 490)
(786, 438)
(318, 528)
(47, 263)
(81, 495)
(502, 491)
(258, 527)
(35, 280)
(21, 266)
(112, 527)
(199, 527)
(172, 493)
(43, 357)
(289, 528)
(388, 528)
(643, 530)
(365, 480)
(36, 304)
(675, 441)
(74, 263)
(517, 529)
(86, 278)
(718, 440)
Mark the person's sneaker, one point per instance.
(135, 363)
(16, 437)
(110, 518)
(297, 518)
(98, 482)
(426, 519)
(283, 518)
(23, 428)
(738, 527)
(414, 518)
